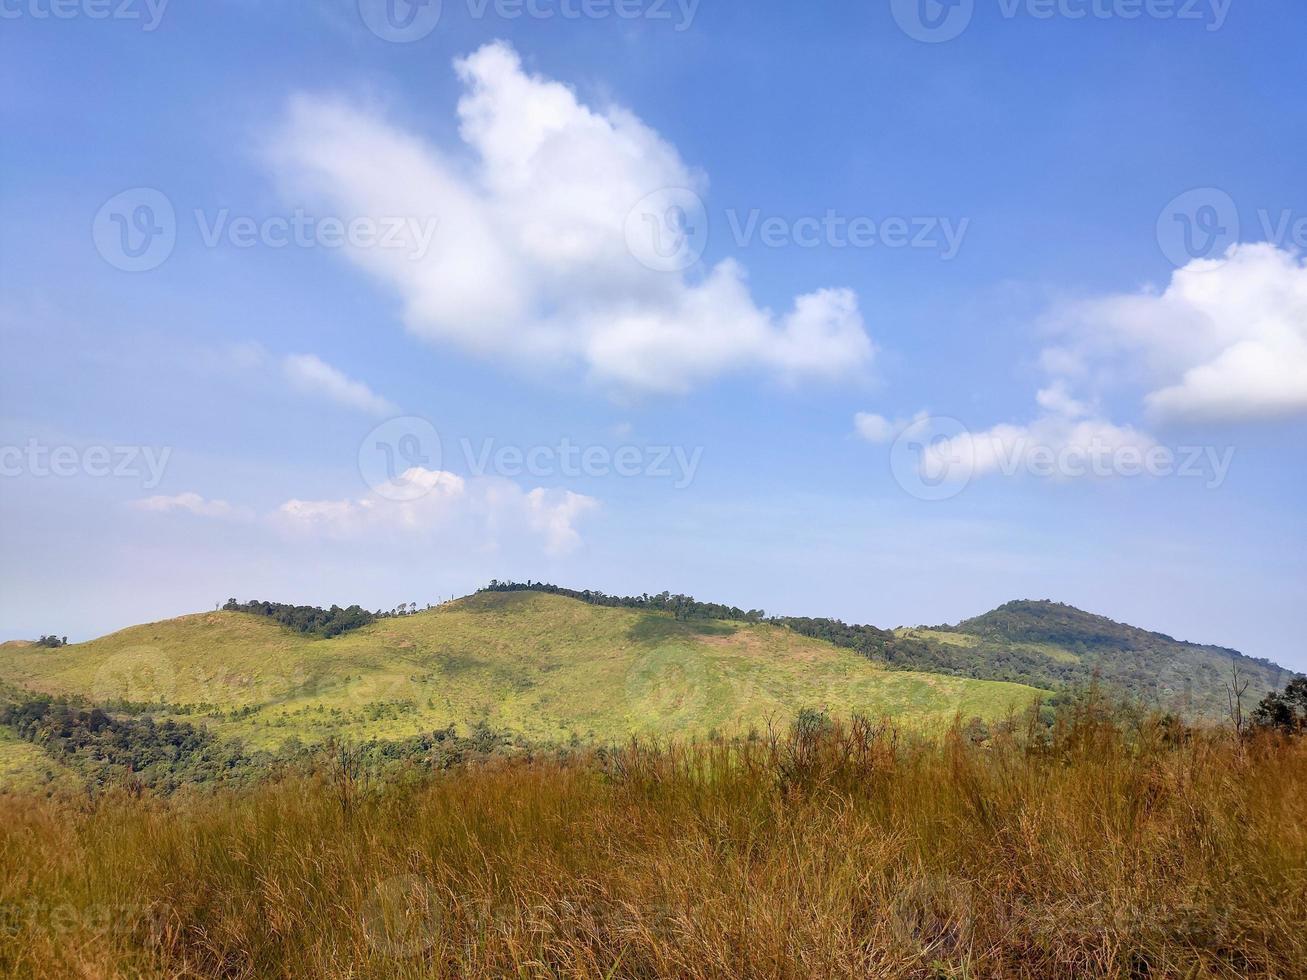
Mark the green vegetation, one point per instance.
(1045, 645)
(98, 752)
(1096, 848)
(307, 619)
(1285, 711)
(204, 698)
(682, 607)
(539, 667)
(1152, 669)
(103, 749)
(1057, 647)
(25, 768)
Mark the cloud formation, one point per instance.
(1053, 444)
(532, 262)
(312, 375)
(191, 503)
(421, 505)
(427, 502)
(1226, 341)
(878, 429)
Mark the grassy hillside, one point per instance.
(543, 666)
(24, 767)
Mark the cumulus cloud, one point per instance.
(421, 505)
(531, 262)
(1068, 438)
(1225, 341)
(419, 500)
(313, 376)
(1053, 445)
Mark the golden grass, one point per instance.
(852, 852)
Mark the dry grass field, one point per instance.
(1099, 849)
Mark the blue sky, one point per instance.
(916, 313)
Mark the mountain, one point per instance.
(1050, 644)
(546, 667)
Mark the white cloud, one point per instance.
(878, 429)
(498, 507)
(192, 503)
(1052, 445)
(422, 505)
(312, 375)
(1225, 341)
(554, 514)
(436, 497)
(1066, 440)
(1057, 400)
(873, 428)
(531, 262)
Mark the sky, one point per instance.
(892, 311)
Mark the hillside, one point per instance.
(542, 666)
(1046, 645)
(24, 766)
(222, 688)
(1053, 644)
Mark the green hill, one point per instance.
(542, 666)
(548, 667)
(1050, 644)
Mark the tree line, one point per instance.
(105, 748)
(317, 621)
(683, 607)
(307, 619)
(1286, 710)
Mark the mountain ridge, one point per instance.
(531, 663)
(1042, 645)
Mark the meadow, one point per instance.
(1106, 846)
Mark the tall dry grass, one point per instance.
(851, 851)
